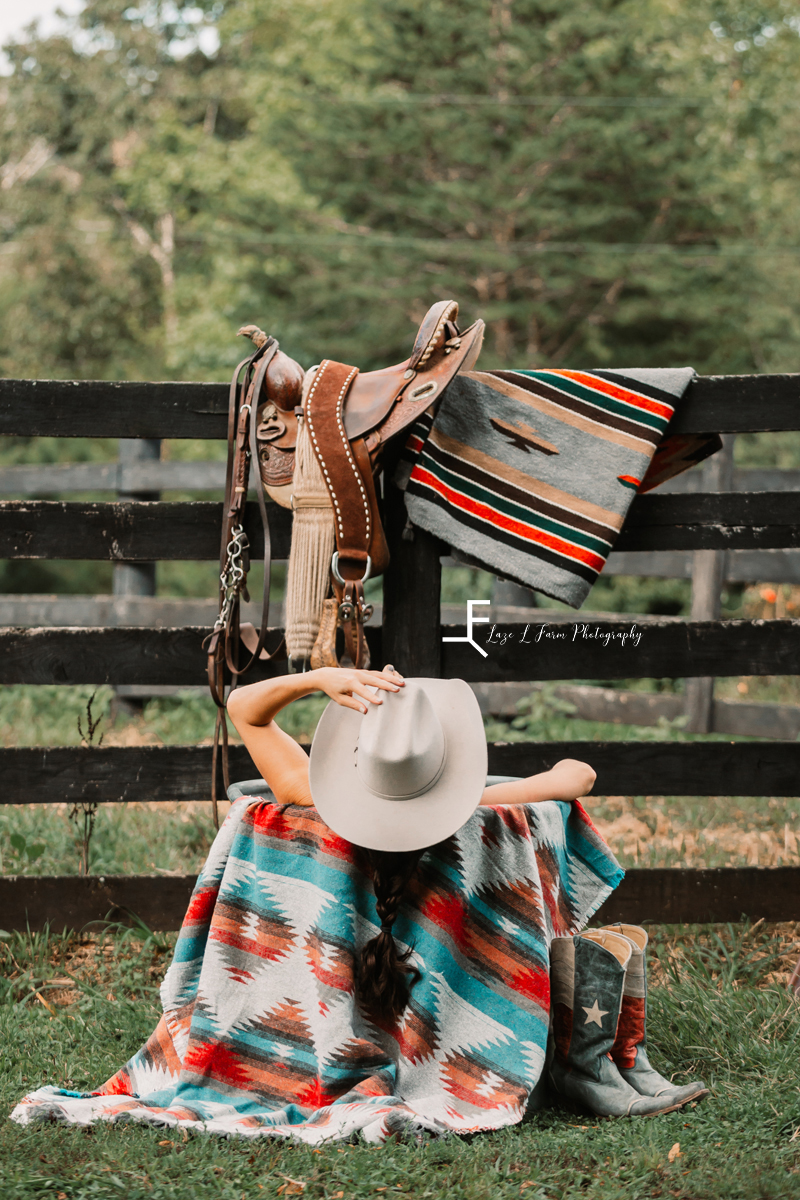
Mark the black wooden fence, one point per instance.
(410, 637)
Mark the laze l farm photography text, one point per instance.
(564, 633)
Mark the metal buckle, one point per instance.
(424, 391)
(337, 574)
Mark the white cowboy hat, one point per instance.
(407, 774)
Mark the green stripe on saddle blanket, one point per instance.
(531, 473)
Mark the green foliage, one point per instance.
(546, 717)
(590, 180)
(24, 850)
(460, 584)
(128, 839)
(46, 714)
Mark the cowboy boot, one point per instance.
(628, 1051)
(588, 977)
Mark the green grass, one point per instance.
(716, 1010)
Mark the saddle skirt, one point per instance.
(375, 406)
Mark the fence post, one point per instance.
(134, 579)
(412, 634)
(708, 576)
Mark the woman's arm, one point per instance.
(281, 761)
(567, 780)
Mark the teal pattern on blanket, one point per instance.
(261, 1034)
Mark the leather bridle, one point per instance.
(223, 645)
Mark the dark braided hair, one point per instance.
(384, 978)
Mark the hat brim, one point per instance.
(361, 817)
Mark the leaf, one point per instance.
(18, 841)
(675, 1152)
(46, 1003)
(292, 1187)
(35, 851)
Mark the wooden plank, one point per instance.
(41, 608)
(741, 566)
(79, 408)
(155, 612)
(664, 768)
(116, 774)
(130, 532)
(127, 655)
(110, 655)
(574, 650)
(712, 521)
(593, 649)
(73, 901)
(743, 479)
(736, 403)
(669, 896)
(87, 408)
(38, 480)
(664, 896)
(180, 530)
(623, 707)
(136, 578)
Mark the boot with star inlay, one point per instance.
(628, 1052)
(588, 976)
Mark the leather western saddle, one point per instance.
(350, 417)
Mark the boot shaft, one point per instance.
(588, 979)
(631, 1031)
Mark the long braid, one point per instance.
(384, 977)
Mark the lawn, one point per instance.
(73, 1009)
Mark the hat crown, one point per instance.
(401, 745)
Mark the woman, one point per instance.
(367, 946)
(382, 977)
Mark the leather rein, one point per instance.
(223, 644)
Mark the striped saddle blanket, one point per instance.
(531, 473)
(261, 1035)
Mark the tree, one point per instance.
(589, 179)
(128, 181)
(565, 172)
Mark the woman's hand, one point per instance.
(352, 688)
(570, 779)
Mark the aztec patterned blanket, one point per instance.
(531, 473)
(260, 1034)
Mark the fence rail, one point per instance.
(125, 774)
(76, 408)
(668, 648)
(147, 531)
(665, 895)
(167, 475)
